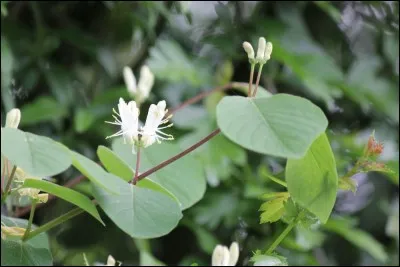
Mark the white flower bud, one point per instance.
(110, 261)
(130, 80)
(13, 118)
(249, 50)
(146, 82)
(268, 51)
(220, 256)
(261, 48)
(42, 198)
(233, 254)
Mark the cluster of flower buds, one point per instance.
(264, 51)
(140, 91)
(374, 148)
(223, 257)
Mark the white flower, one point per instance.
(151, 131)
(141, 90)
(268, 51)
(249, 50)
(261, 49)
(129, 115)
(223, 257)
(20, 176)
(111, 261)
(13, 118)
(129, 123)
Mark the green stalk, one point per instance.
(69, 215)
(28, 229)
(8, 186)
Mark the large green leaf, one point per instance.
(37, 155)
(95, 173)
(312, 180)
(183, 178)
(139, 212)
(34, 252)
(117, 166)
(282, 125)
(65, 193)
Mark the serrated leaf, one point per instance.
(282, 125)
(312, 180)
(65, 193)
(37, 155)
(273, 209)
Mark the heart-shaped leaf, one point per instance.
(282, 125)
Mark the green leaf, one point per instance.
(34, 252)
(273, 209)
(95, 173)
(357, 237)
(183, 178)
(42, 109)
(117, 166)
(65, 193)
(282, 125)
(313, 181)
(274, 259)
(139, 212)
(37, 155)
(83, 120)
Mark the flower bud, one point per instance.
(249, 50)
(130, 80)
(261, 49)
(42, 198)
(268, 51)
(110, 261)
(146, 82)
(11, 231)
(220, 256)
(13, 118)
(233, 254)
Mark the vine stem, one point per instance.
(251, 79)
(28, 228)
(258, 79)
(285, 233)
(55, 222)
(9, 182)
(135, 178)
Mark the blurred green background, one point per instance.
(61, 64)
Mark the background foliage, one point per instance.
(61, 64)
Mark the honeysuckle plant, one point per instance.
(149, 204)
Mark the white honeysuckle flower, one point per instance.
(130, 80)
(141, 90)
(223, 257)
(261, 49)
(129, 123)
(249, 50)
(146, 82)
(233, 254)
(20, 176)
(268, 51)
(13, 118)
(151, 131)
(110, 261)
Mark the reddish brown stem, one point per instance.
(178, 156)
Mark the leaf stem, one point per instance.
(28, 228)
(9, 182)
(251, 79)
(178, 156)
(258, 79)
(54, 223)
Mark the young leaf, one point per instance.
(273, 209)
(281, 125)
(65, 193)
(37, 155)
(312, 180)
